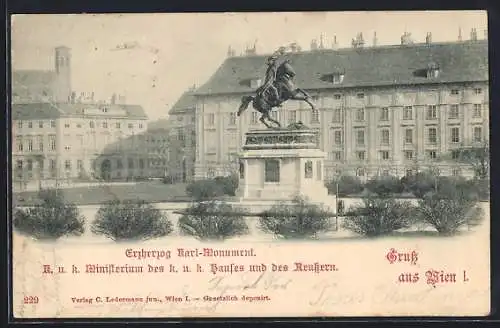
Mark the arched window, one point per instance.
(242, 170)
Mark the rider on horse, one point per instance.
(272, 68)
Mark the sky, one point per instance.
(165, 54)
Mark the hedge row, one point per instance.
(213, 220)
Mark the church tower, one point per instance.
(62, 83)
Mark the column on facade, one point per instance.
(443, 129)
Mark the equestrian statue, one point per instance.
(277, 88)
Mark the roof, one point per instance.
(30, 77)
(369, 66)
(187, 101)
(160, 124)
(33, 111)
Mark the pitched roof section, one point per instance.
(34, 111)
(185, 103)
(370, 66)
(30, 77)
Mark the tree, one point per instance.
(475, 155)
(347, 185)
(301, 219)
(131, 220)
(379, 216)
(213, 220)
(52, 219)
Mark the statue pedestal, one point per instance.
(279, 165)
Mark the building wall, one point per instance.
(182, 150)
(79, 149)
(349, 111)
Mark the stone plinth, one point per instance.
(282, 164)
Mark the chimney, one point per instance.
(73, 97)
(460, 34)
(358, 42)
(335, 45)
(230, 52)
(406, 39)
(375, 39)
(321, 45)
(113, 99)
(428, 38)
(473, 35)
(314, 45)
(92, 96)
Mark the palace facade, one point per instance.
(380, 110)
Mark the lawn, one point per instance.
(147, 191)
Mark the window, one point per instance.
(105, 125)
(456, 172)
(337, 115)
(478, 91)
(384, 137)
(232, 118)
(315, 116)
(272, 170)
(455, 135)
(431, 113)
(337, 78)
(52, 142)
(66, 125)
(118, 125)
(337, 135)
(360, 137)
(30, 144)
(52, 124)
(30, 124)
(140, 125)
(67, 164)
(211, 119)
(179, 118)
(453, 112)
(360, 172)
(20, 124)
(384, 155)
(360, 95)
(455, 154)
(432, 154)
(119, 164)
(130, 163)
(384, 114)
(292, 116)
(255, 117)
(308, 169)
(454, 92)
(130, 126)
(19, 142)
(91, 124)
(360, 115)
(478, 134)
(79, 164)
(408, 154)
(477, 111)
(337, 96)
(19, 164)
(408, 136)
(78, 125)
(40, 124)
(39, 141)
(29, 165)
(337, 155)
(407, 113)
(409, 172)
(360, 155)
(432, 135)
(385, 173)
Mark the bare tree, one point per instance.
(474, 154)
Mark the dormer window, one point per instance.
(255, 83)
(336, 77)
(432, 71)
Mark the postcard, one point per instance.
(296, 164)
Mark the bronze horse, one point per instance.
(263, 101)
